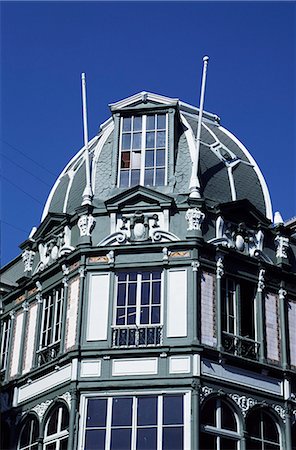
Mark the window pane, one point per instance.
(125, 160)
(228, 444)
(138, 123)
(253, 445)
(137, 137)
(135, 177)
(95, 440)
(126, 141)
(53, 422)
(136, 160)
(208, 414)
(160, 140)
(131, 316)
(270, 431)
(120, 316)
(50, 447)
(160, 158)
(126, 124)
(26, 432)
(96, 412)
(150, 122)
(172, 409)
(150, 137)
(207, 442)
(132, 292)
(227, 418)
(133, 276)
(147, 439)
(173, 438)
(149, 177)
(65, 419)
(156, 275)
(159, 179)
(121, 439)
(64, 444)
(155, 314)
(144, 318)
(254, 424)
(124, 178)
(161, 121)
(121, 294)
(122, 276)
(156, 292)
(145, 293)
(147, 411)
(149, 158)
(122, 411)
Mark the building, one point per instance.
(155, 309)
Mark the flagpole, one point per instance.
(87, 193)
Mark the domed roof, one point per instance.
(227, 171)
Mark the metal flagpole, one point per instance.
(87, 193)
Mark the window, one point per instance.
(142, 422)
(29, 435)
(219, 426)
(143, 150)
(57, 429)
(137, 316)
(51, 326)
(238, 318)
(262, 431)
(4, 343)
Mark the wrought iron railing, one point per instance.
(45, 355)
(240, 346)
(131, 336)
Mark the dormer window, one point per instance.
(143, 150)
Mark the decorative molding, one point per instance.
(195, 266)
(244, 402)
(86, 224)
(282, 246)
(53, 249)
(41, 408)
(195, 218)
(205, 391)
(280, 411)
(282, 293)
(111, 257)
(165, 253)
(28, 259)
(67, 397)
(82, 272)
(219, 267)
(25, 306)
(261, 281)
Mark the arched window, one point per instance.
(219, 426)
(57, 429)
(262, 431)
(29, 434)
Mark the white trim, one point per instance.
(65, 170)
(263, 183)
(138, 98)
(134, 366)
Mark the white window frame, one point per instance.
(218, 431)
(135, 394)
(56, 296)
(59, 436)
(143, 149)
(29, 421)
(5, 338)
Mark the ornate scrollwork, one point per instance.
(195, 218)
(86, 224)
(41, 408)
(244, 402)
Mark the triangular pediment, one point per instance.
(138, 197)
(142, 99)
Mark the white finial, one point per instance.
(87, 193)
(194, 181)
(278, 220)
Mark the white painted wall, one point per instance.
(16, 343)
(98, 303)
(292, 331)
(72, 313)
(30, 338)
(271, 320)
(177, 303)
(207, 309)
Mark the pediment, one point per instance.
(142, 100)
(138, 197)
(50, 223)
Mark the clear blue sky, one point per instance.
(127, 47)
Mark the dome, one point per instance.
(226, 170)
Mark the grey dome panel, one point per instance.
(247, 185)
(77, 188)
(57, 201)
(104, 170)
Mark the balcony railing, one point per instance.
(131, 336)
(240, 346)
(47, 354)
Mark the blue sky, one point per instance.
(127, 47)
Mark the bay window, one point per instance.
(51, 325)
(130, 422)
(137, 315)
(143, 150)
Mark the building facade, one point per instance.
(149, 318)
